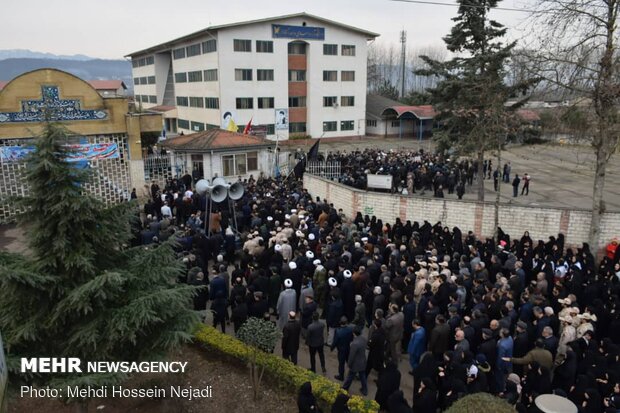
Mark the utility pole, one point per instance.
(403, 41)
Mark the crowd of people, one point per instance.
(515, 317)
(423, 172)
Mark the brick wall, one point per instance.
(467, 215)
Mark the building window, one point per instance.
(347, 125)
(182, 124)
(182, 101)
(136, 80)
(395, 123)
(252, 158)
(211, 75)
(264, 74)
(198, 126)
(195, 76)
(330, 101)
(297, 102)
(152, 99)
(178, 53)
(330, 49)
(244, 103)
(348, 50)
(209, 46)
(193, 50)
(330, 75)
(212, 103)
(347, 100)
(371, 123)
(144, 99)
(196, 102)
(331, 126)
(347, 76)
(210, 126)
(264, 46)
(143, 80)
(270, 129)
(242, 45)
(243, 74)
(135, 63)
(239, 163)
(180, 77)
(149, 61)
(296, 75)
(297, 127)
(265, 103)
(296, 48)
(151, 80)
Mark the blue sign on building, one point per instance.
(297, 32)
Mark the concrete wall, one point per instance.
(467, 215)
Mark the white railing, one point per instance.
(329, 170)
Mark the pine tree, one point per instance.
(471, 94)
(80, 291)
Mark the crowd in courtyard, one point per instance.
(516, 317)
(424, 172)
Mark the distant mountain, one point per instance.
(97, 69)
(29, 54)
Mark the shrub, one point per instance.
(480, 402)
(282, 370)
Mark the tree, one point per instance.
(576, 53)
(388, 90)
(80, 291)
(471, 94)
(261, 336)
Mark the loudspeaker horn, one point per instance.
(218, 181)
(218, 193)
(236, 191)
(202, 186)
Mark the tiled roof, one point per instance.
(162, 108)
(214, 139)
(107, 84)
(528, 115)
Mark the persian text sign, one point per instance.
(297, 32)
(85, 152)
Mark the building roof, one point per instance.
(421, 112)
(107, 84)
(528, 115)
(376, 104)
(162, 108)
(96, 84)
(213, 140)
(168, 44)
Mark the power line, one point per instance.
(474, 6)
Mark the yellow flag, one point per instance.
(232, 126)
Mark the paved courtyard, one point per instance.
(562, 175)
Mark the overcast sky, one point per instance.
(114, 28)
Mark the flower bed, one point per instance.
(324, 389)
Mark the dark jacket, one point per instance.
(343, 336)
(440, 339)
(316, 334)
(357, 354)
(290, 336)
(388, 383)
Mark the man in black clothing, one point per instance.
(515, 186)
(290, 338)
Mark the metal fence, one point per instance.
(329, 170)
(157, 168)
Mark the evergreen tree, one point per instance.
(80, 291)
(471, 94)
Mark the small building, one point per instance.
(105, 134)
(217, 152)
(388, 118)
(109, 88)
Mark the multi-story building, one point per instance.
(291, 75)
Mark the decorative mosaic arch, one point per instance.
(51, 107)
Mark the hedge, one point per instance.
(480, 402)
(283, 370)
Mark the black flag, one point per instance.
(300, 169)
(314, 151)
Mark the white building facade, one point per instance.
(295, 75)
